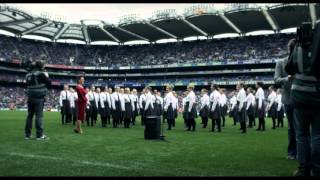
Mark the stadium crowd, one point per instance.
(200, 51)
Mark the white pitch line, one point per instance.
(102, 164)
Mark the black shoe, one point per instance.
(243, 132)
(169, 129)
(302, 172)
(211, 131)
(273, 128)
(193, 130)
(258, 129)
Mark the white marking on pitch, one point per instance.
(103, 164)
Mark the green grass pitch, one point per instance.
(124, 152)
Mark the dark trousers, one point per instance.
(307, 126)
(65, 117)
(35, 107)
(143, 119)
(170, 122)
(174, 122)
(223, 120)
(191, 124)
(94, 115)
(262, 124)
(204, 121)
(280, 121)
(292, 143)
(74, 115)
(273, 123)
(88, 116)
(214, 122)
(121, 118)
(243, 126)
(115, 122)
(126, 122)
(133, 119)
(103, 121)
(251, 120)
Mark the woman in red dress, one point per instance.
(82, 101)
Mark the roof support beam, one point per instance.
(163, 31)
(194, 27)
(60, 32)
(312, 9)
(230, 23)
(270, 20)
(133, 34)
(109, 34)
(84, 30)
(36, 28)
(16, 22)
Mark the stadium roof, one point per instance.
(201, 22)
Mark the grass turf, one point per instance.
(124, 152)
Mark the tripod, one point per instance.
(163, 91)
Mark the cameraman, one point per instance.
(305, 95)
(37, 83)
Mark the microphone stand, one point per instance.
(164, 90)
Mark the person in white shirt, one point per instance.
(129, 108)
(169, 101)
(73, 105)
(93, 105)
(64, 101)
(142, 104)
(191, 113)
(260, 106)
(88, 109)
(156, 103)
(116, 107)
(223, 106)
(215, 108)
(250, 107)
(136, 106)
(150, 99)
(242, 104)
(121, 93)
(233, 107)
(160, 103)
(272, 106)
(107, 103)
(102, 98)
(280, 108)
(96, 101)
(185, 94)
(204, 108)
(175, 108)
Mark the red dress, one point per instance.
(82, 102)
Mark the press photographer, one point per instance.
(303, 63)
(38, 82)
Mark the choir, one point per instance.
(124, 105)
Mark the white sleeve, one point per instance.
(193, 99)
(166, 102)
(108, 96)
(260, 98)
(147, 103)
(75, 96)
(241, 101)
(122, 103)
(202, 101)
(140, 101)
(215, 102)
(248, 102)
(132, 103)
(60, 99)
(113, 103)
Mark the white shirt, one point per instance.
(116, 97)
(260, 97)
(122, 103)
(64, 95)
(222, 100)
(159, 100)
(242, 98)
(250, 100)
(108, 98)
(150, 99)
(142, 98)
(278, 100)
(214, 98)
(191, 98)
(205, 101)
(128, 99)
(184, 102)
(73, 98)
(96, 98)
(91, 96)
(233, 101)
(271, 98)
(169, 99)
(102, 99)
